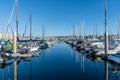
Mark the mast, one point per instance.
(81, 31)
(43, 32)
(76, 32)
(30, 26)
(83, 28)
(73, 32)
(15, 42)
(96, 31)
(106, 38)
(17, 17)
(106, 42)
(2, 28)
(118, 26)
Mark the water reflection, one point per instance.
(15, 71)
(111, 69)
(80, 57)
(3, 74)
(82, 62)
(106, 70)
(72, 51)
(114, 71)
(43, 52)
(9, 78)
(31, 70)
(54, 63)
(6, 72)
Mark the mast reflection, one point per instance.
(82, 61)
(15, 71)
(106, 70)
(77, 57)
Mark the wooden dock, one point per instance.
(21, 55)
(108, 52)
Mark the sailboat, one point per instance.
(29, 40)
(43, 44)
(31, 45)
(6, 58)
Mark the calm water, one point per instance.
(60, 62)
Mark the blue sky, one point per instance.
(59, 16)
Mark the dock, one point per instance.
(108, 52)
(21, 55)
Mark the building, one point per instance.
(6, 36)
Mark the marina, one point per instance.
(70, 65)
(47, 48)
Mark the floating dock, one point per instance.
(108, 52)
(21, 55)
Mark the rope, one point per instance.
(26, 26)
(11, 28)
(10, 18)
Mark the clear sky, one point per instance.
(59, 16)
